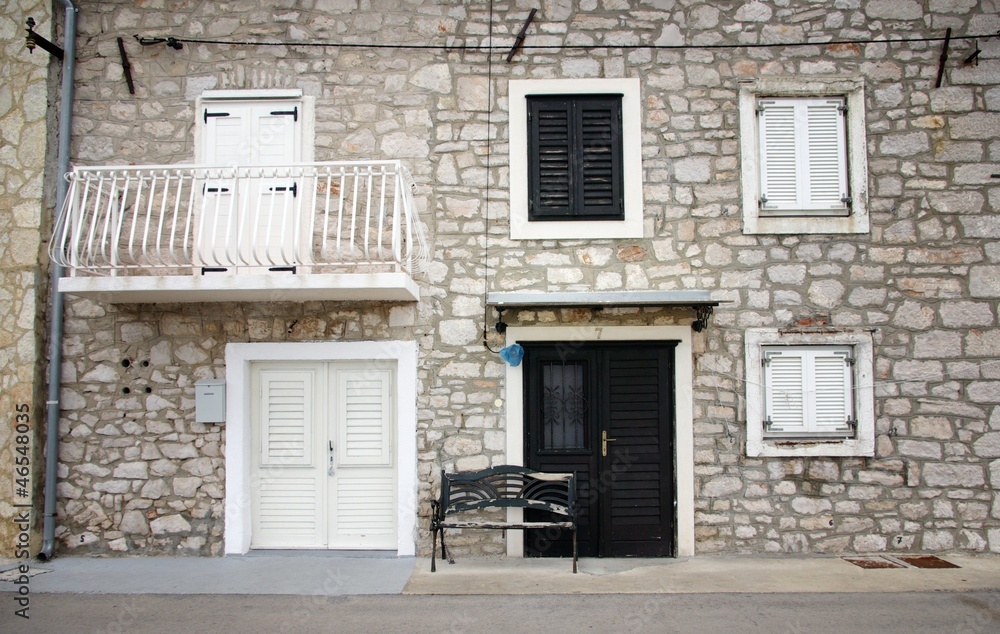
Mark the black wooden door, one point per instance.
(605, 411)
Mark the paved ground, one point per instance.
(904, 613)
(304, 592)
(312, 574)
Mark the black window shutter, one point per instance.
(575, 157)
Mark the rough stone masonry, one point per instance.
(138, 476)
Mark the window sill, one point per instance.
(776, 447)
(754, 224)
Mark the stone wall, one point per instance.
(24, 128)
(137, 475)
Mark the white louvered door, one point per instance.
(323, 469)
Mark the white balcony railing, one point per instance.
(335, 217)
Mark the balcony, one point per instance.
(319, 231)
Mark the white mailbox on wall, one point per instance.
(210, 401)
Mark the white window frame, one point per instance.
(804, 221)
(810, 441)
(632, 226)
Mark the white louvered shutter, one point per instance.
(808, 391)
(785, 395)
(803, 156)
(831, 391)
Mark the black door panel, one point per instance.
(605, 411)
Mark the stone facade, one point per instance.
(25, 121)
(138, 476)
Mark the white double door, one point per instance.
(322, 469)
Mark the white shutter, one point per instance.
(831, 391)
(808, 391)
(778, 160)
(827, 157)
(785, 392)
(803, 156)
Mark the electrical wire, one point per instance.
(570, 47)
(489, 144)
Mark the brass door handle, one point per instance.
(604, 443)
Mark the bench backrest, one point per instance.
(509, 487)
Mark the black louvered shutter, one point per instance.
(575, 157)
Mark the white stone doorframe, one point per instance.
(683, 416)
(239, 488)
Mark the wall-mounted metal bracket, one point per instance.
(703, 313)
(943, 58)
(520, 36)
(126, 67)
(34, 39)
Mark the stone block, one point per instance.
(952, 99)
(946, 474)
(721, 487)
(984, 281)
(695, 169)
(987, 445)
(132, 470)
(975, 125)
(894, 9)
(905, 145)
(169, 524)
(937, 345)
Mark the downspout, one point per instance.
(56, 272)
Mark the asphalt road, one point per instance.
(952, 612)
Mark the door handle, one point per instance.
(604, 443)
(330, 469)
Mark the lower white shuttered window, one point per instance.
(810, 393)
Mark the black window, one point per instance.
(575, 157)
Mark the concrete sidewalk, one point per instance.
(702, 574)
(308, 574)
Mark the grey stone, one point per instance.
(134, 523)
(721, 487)
(894, 9)
(169, 524)
(937, 474)
(984, 281)
(975, 125)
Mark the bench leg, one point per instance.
(444, 549)
(434, 546)
(574, 551)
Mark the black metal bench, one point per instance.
(502, 487)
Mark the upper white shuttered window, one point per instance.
(803, 156)
(808, 391)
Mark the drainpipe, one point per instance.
(56, 272)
